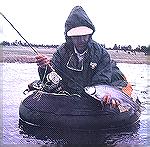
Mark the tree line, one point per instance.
(20, 43)
(145, 49)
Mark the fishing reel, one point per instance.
(53, 83)
(53, 77)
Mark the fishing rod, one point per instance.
(39, 53)
(19, 34)
(87, 90)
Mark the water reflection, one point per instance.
(53, 135)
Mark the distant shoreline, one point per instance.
(11, 54)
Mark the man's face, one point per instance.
(80, 42)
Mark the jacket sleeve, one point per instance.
(57, 63)
(43, 73)
(56, 59)
(118, 78)
(103, 72)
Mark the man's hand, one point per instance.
(42, 60)
(107, 100)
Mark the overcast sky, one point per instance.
(122, 22)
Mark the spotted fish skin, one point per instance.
(99, 91)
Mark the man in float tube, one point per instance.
(84, 61)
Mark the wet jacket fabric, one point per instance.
(96, 66)
(96, 62)
(118, 79)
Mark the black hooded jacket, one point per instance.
(77, 18)
(96, 63)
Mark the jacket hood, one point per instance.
(77, 18)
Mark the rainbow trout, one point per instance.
(99, 91)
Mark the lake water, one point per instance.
(14, 81)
